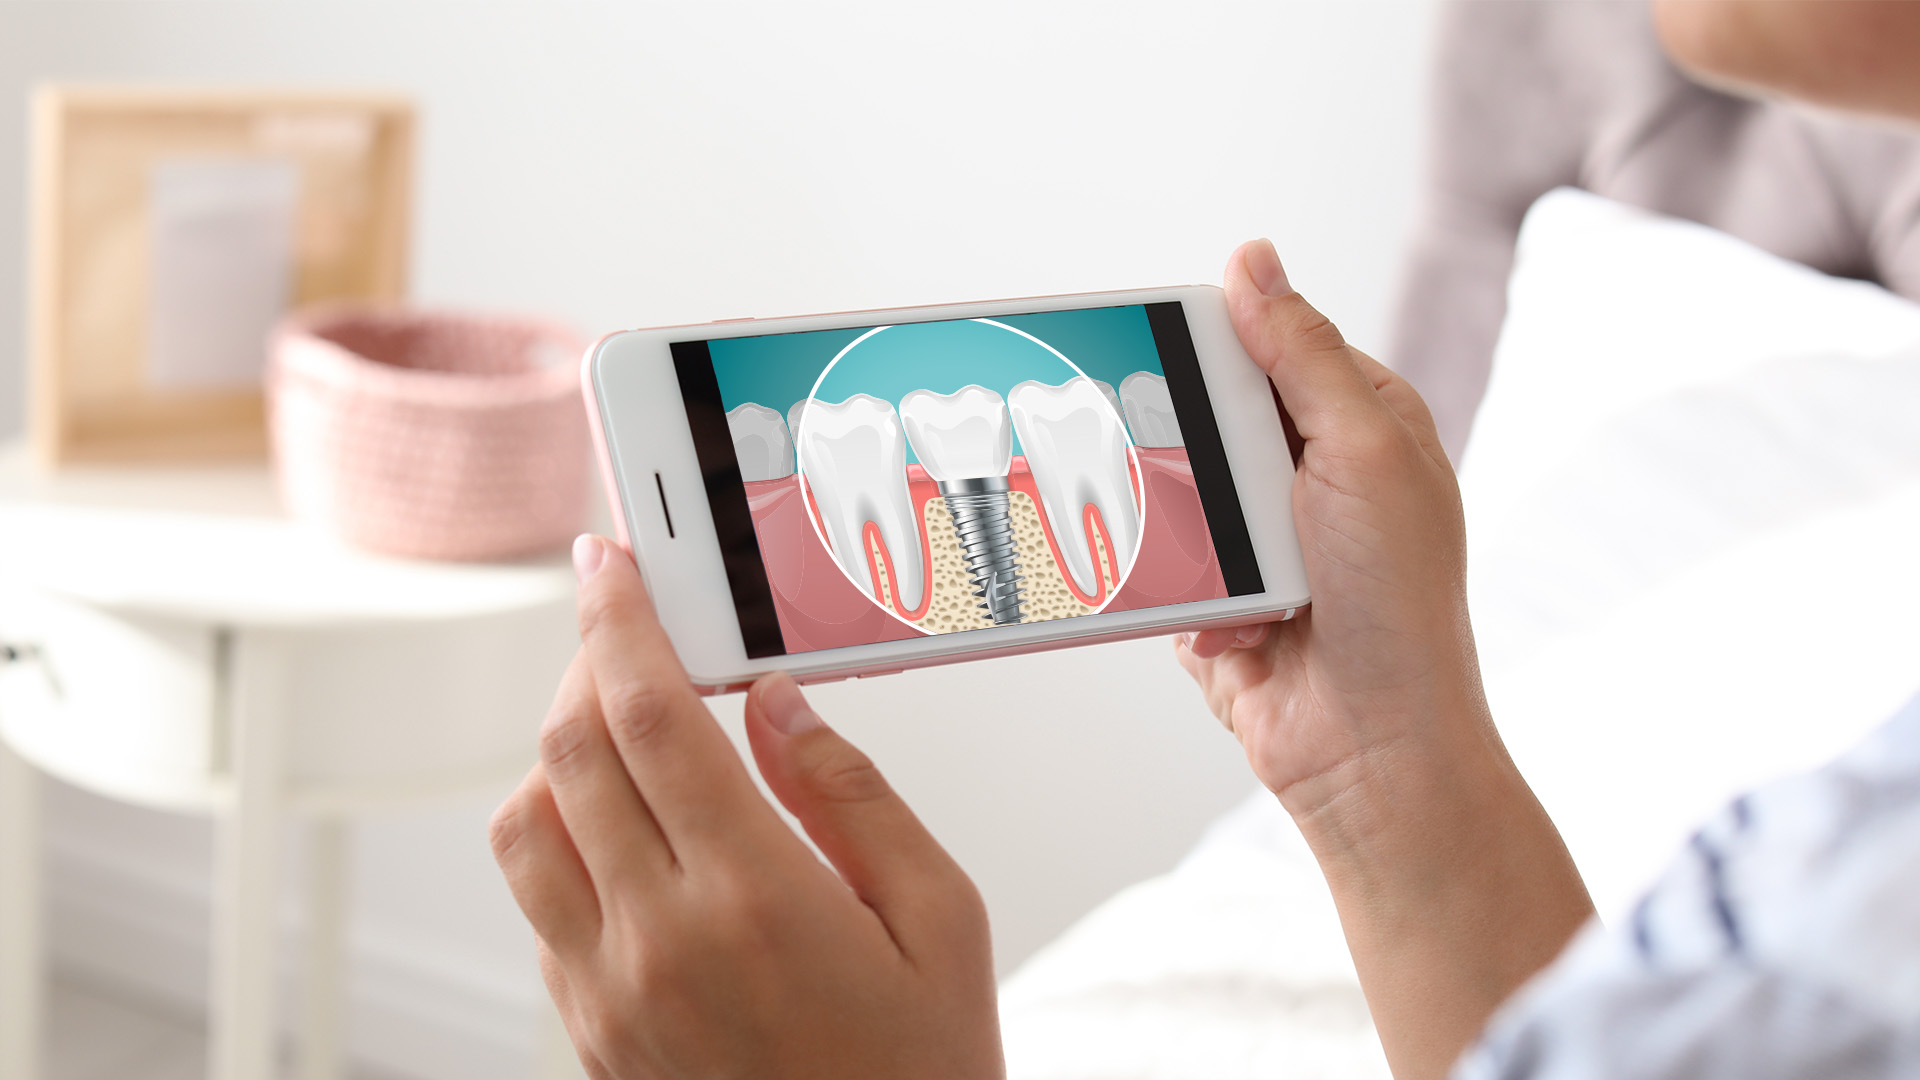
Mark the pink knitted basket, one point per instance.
(430, 435)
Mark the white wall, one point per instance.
(649, 163)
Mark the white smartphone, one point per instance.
(860, 493)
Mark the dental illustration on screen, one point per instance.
(938, 477)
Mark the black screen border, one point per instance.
(1200, 430)
(727, 499)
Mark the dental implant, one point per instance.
(965, 442)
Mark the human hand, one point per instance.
(1383, 660)
(685, 931)
(1365, 714)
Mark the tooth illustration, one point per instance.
(1149, 410)
(793, 418)
(760, 442)
(1077, 449)
(965, 443)
(1113, 399)
(855, 460)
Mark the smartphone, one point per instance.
(860, 493)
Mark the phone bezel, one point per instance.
(647, 454)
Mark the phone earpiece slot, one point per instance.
(661, 486)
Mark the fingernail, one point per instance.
(1186, 640)
(787, 710)
(1263, 265)
(1250, 635)
(589, 554)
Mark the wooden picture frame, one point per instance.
(168, 227)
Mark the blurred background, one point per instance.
(648, 163)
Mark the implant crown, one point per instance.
(964, 435)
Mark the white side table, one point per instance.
(177, 643)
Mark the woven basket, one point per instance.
(430, 435)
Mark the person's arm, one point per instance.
(684, 930)
(1365, 715)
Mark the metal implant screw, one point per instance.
(984, 523)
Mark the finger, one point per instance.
(1321, 384)
(567, 1004)
(882, 851)
(685, 768)
(609, 822)
(1207, 644)
(543, 869)
(1202, 672)
(1406, 403)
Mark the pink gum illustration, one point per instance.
(818, 608)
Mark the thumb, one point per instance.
(1321, 382)
(882, 851)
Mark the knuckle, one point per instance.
(597, 609)
(635, 710)
(849, 776)
(507, 827)
(969, 907)
(561, 741)
(1303, 324)
(753, 912)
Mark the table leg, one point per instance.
(243, 1019)
(322, 1024)
(22, 971)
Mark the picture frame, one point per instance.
(170, 228)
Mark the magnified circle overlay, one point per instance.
(814, 516)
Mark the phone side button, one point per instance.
(877, 674)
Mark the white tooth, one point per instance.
(959, 436)
(1113, 399)
(855, 458)
(1077, 449)
(793, 417)
(1149, 410)
(760, 442)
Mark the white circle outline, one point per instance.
(813, 513)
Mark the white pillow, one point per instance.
(1693, 507)
(1693, 497)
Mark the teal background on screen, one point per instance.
(1108, 344)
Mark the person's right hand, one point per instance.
(1383, 661)
(1365, 714)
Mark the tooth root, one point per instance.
(1076, 448)
(1149, 410)
(855, 459)
(761, 443)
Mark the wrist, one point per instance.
(1453, 886)
(1414, 757)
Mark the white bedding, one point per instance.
(1693, 496)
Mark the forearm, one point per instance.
(1452, 884)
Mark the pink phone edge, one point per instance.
(895, 667)
(601, 451)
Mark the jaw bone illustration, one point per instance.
(965, 443)
(1077, 449)
(855, 460)
(761, 443)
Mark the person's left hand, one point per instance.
(685, 931)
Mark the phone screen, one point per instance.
(890, 482)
